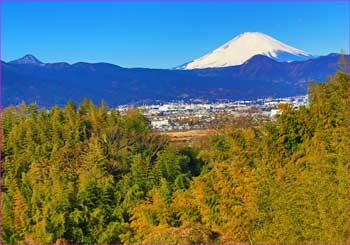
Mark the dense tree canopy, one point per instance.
(86, 174)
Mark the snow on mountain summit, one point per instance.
(243, 47)
(27, 59)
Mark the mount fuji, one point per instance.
(245, 46)
(252, 65)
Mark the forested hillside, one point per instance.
(86, 174)
(49, 84)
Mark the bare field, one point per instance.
(190, 135)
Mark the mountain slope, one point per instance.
(27, 59)
(260, 76)
(243, 47)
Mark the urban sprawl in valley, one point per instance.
(182, 116)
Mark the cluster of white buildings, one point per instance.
(185, 116)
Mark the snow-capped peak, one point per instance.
(243, 47)
(27, 59)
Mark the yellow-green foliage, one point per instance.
(283, 182)
(89, 175)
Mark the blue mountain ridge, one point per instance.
(47, 84)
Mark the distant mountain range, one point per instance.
(245, 46)
(30, 80)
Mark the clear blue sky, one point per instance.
(163, 35)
